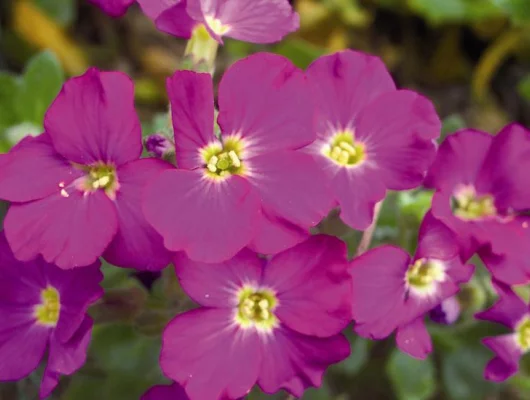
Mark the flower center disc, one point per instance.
(344, 150)
(523, 333)
(470, 206)
(47, 313)
(221, 161)
(101, 176)
(423, 275)
(256, 309)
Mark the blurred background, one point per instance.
(471, 57)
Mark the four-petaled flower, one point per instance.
(275, 322)
(76, 188)
(392, 291)
(43, 309)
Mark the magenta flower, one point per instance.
(370, 136)
(447, 312)
(481, 193)
(255, 21)
(509, 311)
(43, 310)
(250, 187)
(392, 291)
(159, 146)
(165, 392)
(115, 8)
(76, 189)
(276, 323)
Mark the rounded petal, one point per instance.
(209, 220)
(216, 285)
(295, 362)
(115, 8)
(398, 131)
(511, 269)
(343, 84)
(291, 186)
(198, 345)
(508, 310)
(153, 8)
(313, 286)
(175, 20)
(265, 99)
(459, 160)
(192, 112)
(136, 244)
(436, 240)
(34, 170)
(68, 231)
(165, 392)
(414, 339)
(93, 119)
(506, 361)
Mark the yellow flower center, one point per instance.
(470, 206)
(344, 150)
(216, 25)
(223, 160)
(101, 176)
(47, 313)
(423, 275)
(256, 309)
(523, 333)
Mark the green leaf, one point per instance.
(9, 86)
(412, 379)
(524, 87)
(61, 11)
(42, 80)
(462, 372)
(358, 357)
(84, 387)
(438, 11)
(519, 10)
(451, 124)
(299, 51)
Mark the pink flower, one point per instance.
(115, 8)
(276, 323)
(165, 392)
(249, 187)
(255, 21)
(370, 136)
(393, 292)
(75, 189)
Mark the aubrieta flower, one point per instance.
(447, 312)
(370, 136)
(513, 313)
(481, 194)
(255, 21)
(392, 291)
(166, 392)
(275, 322)
(249, 187)
(115, 8)
(76, 189)
(159, 146)
(43, 310)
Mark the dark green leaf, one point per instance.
(300, 52)
(412, 379)
(9, 86)
(61, 11)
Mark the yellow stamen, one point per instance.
(47, 313)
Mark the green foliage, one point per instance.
(412, 379)
(61, 11)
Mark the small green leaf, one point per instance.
(451, 124)
(61, 11)
(358, 357)
(412, 379)
(438, 11)
(300, 52)
(9, 86)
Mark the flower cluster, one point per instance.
(237, 211)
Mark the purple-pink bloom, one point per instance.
(115, 8)
(513, 313)
(447, 312)
(76, 189)
(482, 193)
(275, 322)
(255, 21)
(370, 136)
(159, 146)
(43, 310)
(166, 392)
(392, 291)
(251, 187)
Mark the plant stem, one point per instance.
(368, 234)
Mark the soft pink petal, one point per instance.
(436, 240)
(414, 339)
(34, 170)
(197, 347)
(508, 310)
(295, 362)
(93, 119)
(137, 244)
(512, 269)
(192, 111)
(209, 220)
(265, 99)
(292, 187)
(398, 131)
(165, 392)
(153, 8)
(176, 21)
(312, 279)
(68, 231)
(216, 285)
(115, 8)
(343, 84)
(506, 362)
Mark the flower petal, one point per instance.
(137, 244)
(265, 99)
(398, 131)
(175, 20)
(166, 392)
(216, 285)
(508, 310)
(115, 8)
(68, 231)
(153, 8)
(192, 112)
(295, 362)
(199, 344)
(291, 186)
(343, 84)
(436, 240)
(312, 279)
(209, 220)
(414, 339)
(93, 119)
(506, 362)
(34, 170)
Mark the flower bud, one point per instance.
(160, 146)
(446, 312)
